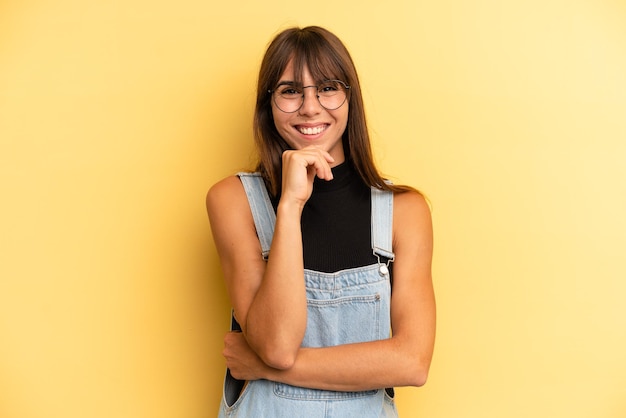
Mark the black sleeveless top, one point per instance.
(336, 223)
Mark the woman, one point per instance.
(312, 255)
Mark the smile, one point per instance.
(311, 130)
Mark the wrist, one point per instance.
(289, 208)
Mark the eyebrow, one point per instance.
(286, 83)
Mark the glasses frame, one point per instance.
(345, 86)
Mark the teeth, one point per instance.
(312, 131)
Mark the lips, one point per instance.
(311, 130)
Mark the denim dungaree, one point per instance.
(348, 306)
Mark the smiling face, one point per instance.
(312, 124)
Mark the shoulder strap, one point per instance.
(263, 215)
(261, 207)
(264, 221)
(382, 223)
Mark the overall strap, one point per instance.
(382, 224)
(263, 215)
(264, 221)
(261, 207)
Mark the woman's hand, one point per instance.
(244, 364)
(299, 170)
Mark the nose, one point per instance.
(310, 101)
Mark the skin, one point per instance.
(312, 115)
(269, 297)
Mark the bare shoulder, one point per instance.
(411, 217)
(228, 210)
(410, 204)
(224, 191)
(231, 220)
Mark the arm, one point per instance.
(269, 299)
(402, 360)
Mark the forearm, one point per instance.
(276, 319)
(356, 367)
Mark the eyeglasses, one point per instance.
(332, 94)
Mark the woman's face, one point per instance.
(312, 124)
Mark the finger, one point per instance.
(323, 170)
(310, 159)
(329, 158)
(320, 160)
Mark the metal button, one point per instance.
(383, 270)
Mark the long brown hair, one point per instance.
(327, 58)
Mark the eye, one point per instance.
(329, 87)
(288, 91)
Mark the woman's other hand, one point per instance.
(243, 362)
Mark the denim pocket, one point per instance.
(345, 320)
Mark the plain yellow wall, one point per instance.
(116, 116)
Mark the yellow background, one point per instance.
(116, 116)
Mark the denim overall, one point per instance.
(348, 306)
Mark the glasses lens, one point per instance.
(332, 94)
(288, 98)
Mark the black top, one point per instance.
(336, 223)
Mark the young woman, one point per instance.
(327, 265)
